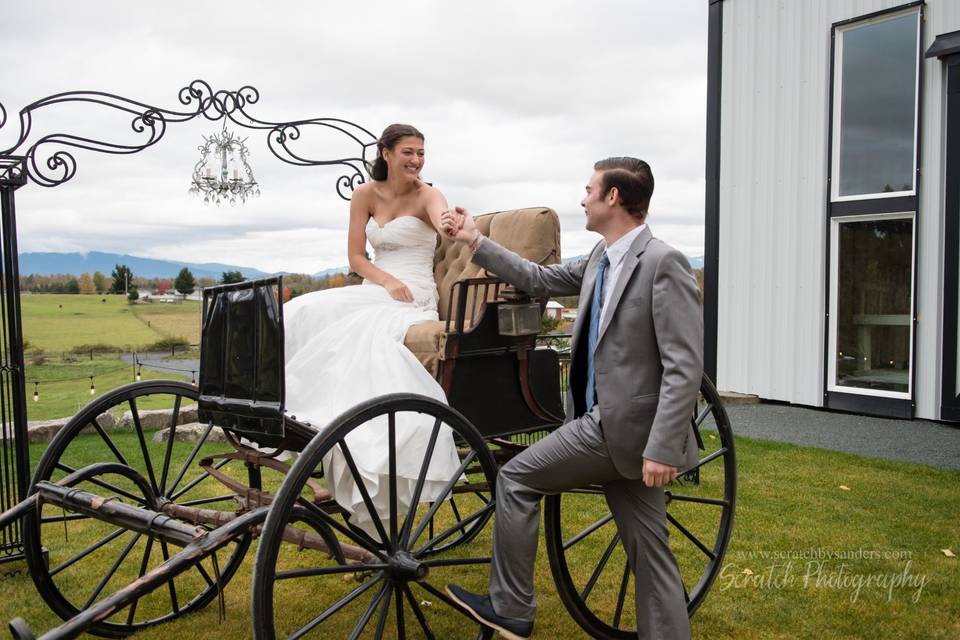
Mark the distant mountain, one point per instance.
(76, 263)
(329, 272)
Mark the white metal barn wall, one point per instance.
(775, 100)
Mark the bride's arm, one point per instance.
(357, 245)
(436, 206)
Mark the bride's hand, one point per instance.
(452, 222)
(398, 290)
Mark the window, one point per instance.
(875, 107)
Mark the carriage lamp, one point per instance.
(518, 318)
(36, 392)
(93, 389)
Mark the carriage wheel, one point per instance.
(385, 579)
(76, 560)
(587, 559)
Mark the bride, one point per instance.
(345, 345)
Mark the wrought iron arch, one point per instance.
(49, 161)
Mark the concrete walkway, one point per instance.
(920, 441)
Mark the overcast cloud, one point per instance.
(517, 99)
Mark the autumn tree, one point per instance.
(86, 284)
(99, 282)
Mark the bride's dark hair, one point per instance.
(388, 140)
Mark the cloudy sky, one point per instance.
(517, 99)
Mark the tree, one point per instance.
(184, 282)
(99, 282)
(163, 285)
(86, 284)
(229, 277)
(122, 277)
(72, 286)
(133, 295)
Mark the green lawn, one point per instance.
(57, 323)
(808, 559)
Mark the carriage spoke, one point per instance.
(104, 485)
(710, 458)
(339, 604)
(326, 571)
(171, 433)
(698, 500)
(392, 444)
(143, 446)
(382, 621)
(621, 595)
(703, 414)
(455, 562)
(364, 494)
(418, 613)
(190, 458)
(113, 569)
(459, 526)
(398, 605)
(83, 554)
(691, 537)
(203, 476)
(144, 563)
(368, 612)
(193, 503)
(592, 582)
(173, 589)
(428, 518)
(583, 534)
(354, 536)
(203, 573)
(109, 441)
(418, 489)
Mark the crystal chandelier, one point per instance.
(233, 178)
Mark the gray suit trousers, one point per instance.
(575, 455)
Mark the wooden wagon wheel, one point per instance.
(587, 558)
(76, 560)
(388, 571)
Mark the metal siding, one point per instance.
(774, 118)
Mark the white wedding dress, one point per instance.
(344, 346)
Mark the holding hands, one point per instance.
(458, 224)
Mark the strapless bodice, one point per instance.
(404, 248)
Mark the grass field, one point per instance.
(808, 560)
(57, 323)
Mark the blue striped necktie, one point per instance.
(596, 308)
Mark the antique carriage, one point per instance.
(163, 512)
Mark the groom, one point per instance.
(635, 373)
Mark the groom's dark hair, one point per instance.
(633, 180)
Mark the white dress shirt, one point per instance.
(615, 254)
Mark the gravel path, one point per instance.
(920, 441)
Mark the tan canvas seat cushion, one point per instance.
(533, 233)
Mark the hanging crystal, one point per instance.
(233, 178)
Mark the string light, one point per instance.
(36, 392)
(93, 389)
(139, 367)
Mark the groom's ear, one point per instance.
(613, 196)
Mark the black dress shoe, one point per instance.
(481, 608)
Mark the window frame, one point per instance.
(839, 31)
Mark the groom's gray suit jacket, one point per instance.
(648, 359)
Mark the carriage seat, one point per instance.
(533, 233)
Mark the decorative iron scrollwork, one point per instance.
(49, 161)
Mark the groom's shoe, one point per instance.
(481, 608)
